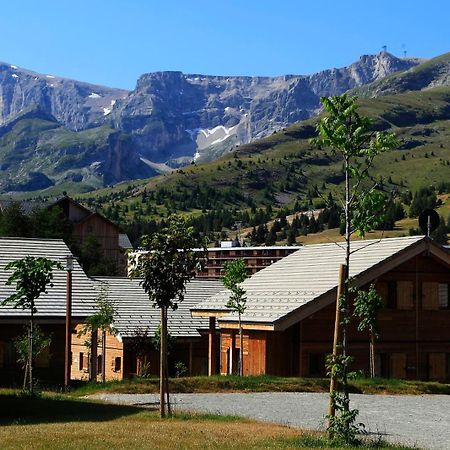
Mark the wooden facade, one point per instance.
(414, 331)
(88, 223)
(49, 365)
(122, 360)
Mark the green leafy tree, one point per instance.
(164, 271)
(22, 344)
(367, 306)
(13, 221)
(440, 234)
(351, 138)
(32, 276)
(234, 275)
(102, 320)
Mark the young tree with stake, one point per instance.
(234, 274)
(32, 277)
(367, 306)
(351, 138)
(169, 264)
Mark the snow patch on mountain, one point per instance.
(205, 137)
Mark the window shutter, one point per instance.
(444, 291)
(398, 365)
(405, 295)
(383, 291)
(43, 359)
(430, 295)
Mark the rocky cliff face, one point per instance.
(61, 130)
(74, 104)
(172, 115)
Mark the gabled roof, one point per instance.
(52, 304)
(87, 211)
(307, 279)
(135, 312)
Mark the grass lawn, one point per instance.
(263, 383)
(59, 422)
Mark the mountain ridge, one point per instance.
(169, 120)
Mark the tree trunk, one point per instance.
(372, 355)
(241, 349)
(30, 350)
(162, 362)
(25, 375)
(348, 219)
(103, 356)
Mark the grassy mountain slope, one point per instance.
(283, 168)
(36, 152)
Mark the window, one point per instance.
(392, 295)
(117, 364)
(444, 294)
(99, 364)
(81, 361)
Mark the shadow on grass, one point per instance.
(18, 408)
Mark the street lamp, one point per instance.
(68, 349)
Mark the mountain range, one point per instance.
(286, 170)
(79, 136)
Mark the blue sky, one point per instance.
(113, 42)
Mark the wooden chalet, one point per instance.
(51, 310)
(131, 351)
(114, 243)
(289, 320)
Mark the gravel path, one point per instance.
(423, 420)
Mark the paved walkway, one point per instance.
(422, 420)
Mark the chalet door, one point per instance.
(398, 365)
(437, 366)
(382, 365)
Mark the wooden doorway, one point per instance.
(437, 366)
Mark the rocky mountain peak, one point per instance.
(76, 105)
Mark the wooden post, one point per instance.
(68, 349)
(162, 363)
(94, 355)
(337, 333)
(103, 356)
(212, 370)
(418, 297)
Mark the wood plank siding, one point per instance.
(414, 331)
